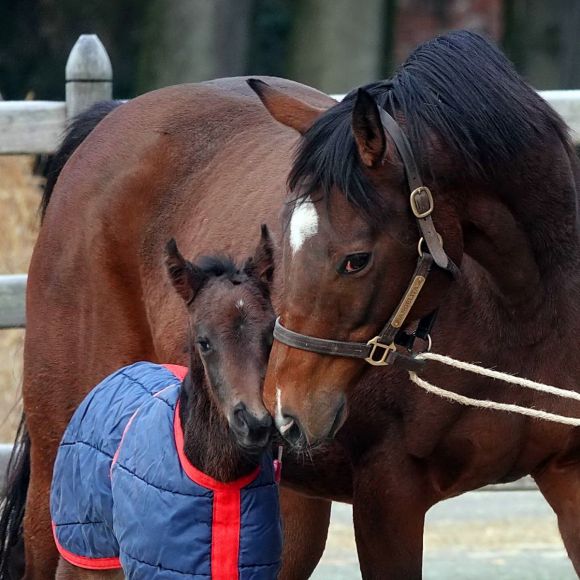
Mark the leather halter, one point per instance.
(381, 350)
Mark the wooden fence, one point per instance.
(35, 127)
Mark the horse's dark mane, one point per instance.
(77, 131)
(458, 89)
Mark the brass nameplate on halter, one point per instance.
(408, 301)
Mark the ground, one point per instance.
(510, 535)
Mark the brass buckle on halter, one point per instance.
(413, 201)
(373, 358)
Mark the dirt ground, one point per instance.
(19, 198)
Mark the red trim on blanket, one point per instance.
(225, 535)
(179, 371)
(198, 476)
(85, 561)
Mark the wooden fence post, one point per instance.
(89, 75)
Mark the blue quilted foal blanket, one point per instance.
(124, 494)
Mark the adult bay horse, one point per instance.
(503, 203)
(503, 176)
(205, 164)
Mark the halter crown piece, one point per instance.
(381, 350)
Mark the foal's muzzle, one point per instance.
(252, 433)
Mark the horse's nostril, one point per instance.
(294, 434)
(286, 427)
(338, 419)
(291, 430)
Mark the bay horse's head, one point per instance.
(350, 255)
(230, 323)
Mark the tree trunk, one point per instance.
(337, 44)
(194, 40)
(542, 38)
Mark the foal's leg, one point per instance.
(389, 506)
(561, 488)
(305, 521)
(66, 571)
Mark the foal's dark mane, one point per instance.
(457, 88)
(220, 265)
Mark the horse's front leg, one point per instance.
(305, 522)
(389, 507)
(560, 485)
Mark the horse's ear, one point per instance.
(289, 111)
(261, 265)
(368, 129)
(187, 279)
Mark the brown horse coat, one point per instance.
(205, 164)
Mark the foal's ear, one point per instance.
(289, 111)
(368, 129)
(261, 265)
(186, 278)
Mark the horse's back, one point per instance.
(203, 163)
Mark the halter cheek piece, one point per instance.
(381, 350)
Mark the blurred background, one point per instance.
(333, 45)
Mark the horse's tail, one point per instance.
(12, 501)
(77, 131)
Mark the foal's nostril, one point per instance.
(240, 419)
(251, 430)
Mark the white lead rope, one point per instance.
(485, 404)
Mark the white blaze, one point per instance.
(282, 423)
(303, 224)
(279, 418)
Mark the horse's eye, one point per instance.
(204, 345)
(354, 263)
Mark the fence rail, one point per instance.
(36, 126)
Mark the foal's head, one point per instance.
(230, 322)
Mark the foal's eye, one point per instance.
(204, 345)
(354, 263)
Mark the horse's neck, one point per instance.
(523, 272)
(208, 443)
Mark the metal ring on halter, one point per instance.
(420, 243)
(429, 343)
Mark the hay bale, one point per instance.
(20, 194)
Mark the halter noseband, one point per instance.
(381, 350)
